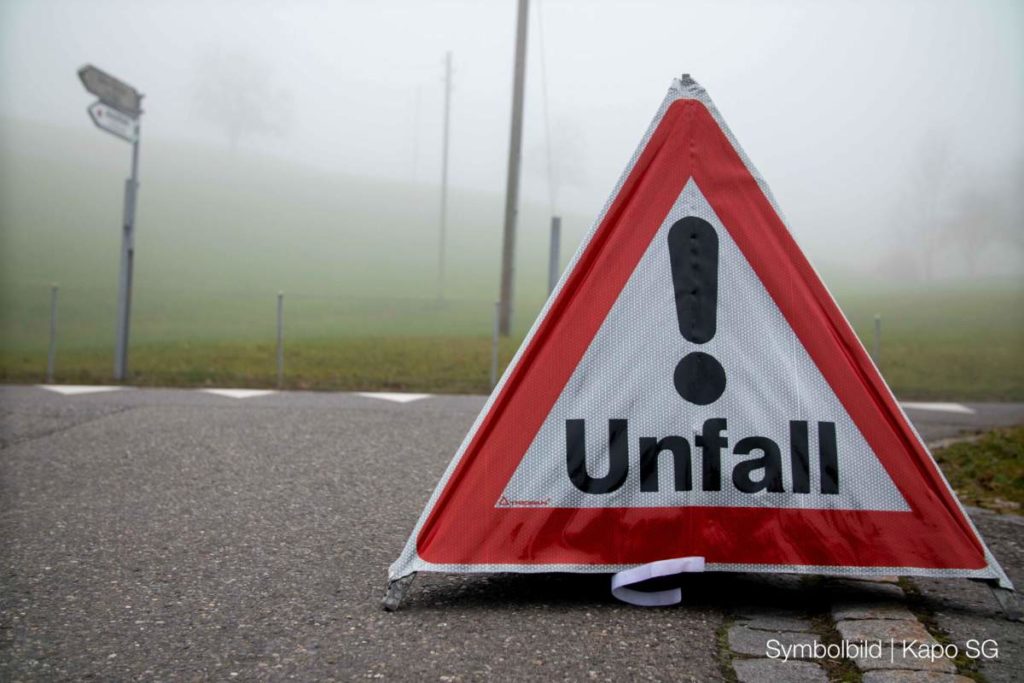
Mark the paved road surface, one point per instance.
(173, 534)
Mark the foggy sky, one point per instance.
(834, 102)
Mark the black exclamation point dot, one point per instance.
(693, 252)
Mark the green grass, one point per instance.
(989, 471)
(936, 344)
(427, 364)
(951, 341)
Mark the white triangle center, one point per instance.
(626, 374)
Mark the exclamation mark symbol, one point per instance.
(693, 252)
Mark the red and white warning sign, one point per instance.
(691, 390)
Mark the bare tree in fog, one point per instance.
(236, 93)
(1012, 227)
(989, 213)
(974, 226)
(921, 216)
(986, 212)
(927, 190)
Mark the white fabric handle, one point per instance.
(628, 577)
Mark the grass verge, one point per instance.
(987, 472)
(458, 365)
(936, 344)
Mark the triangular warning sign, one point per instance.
(691, 389)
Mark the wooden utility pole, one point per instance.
(508, 245)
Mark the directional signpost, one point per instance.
(117, 112)
(110, 90)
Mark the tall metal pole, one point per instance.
(444, 174)
(51, 357)
(124, 284)
(508, 246)
(554, 255)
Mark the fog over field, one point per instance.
(297, 145)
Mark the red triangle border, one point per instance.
(465, 528)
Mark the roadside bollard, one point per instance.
(494, 344)
(280, 340)
(51, 356)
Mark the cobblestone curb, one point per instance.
(862, 611)
(888, 621)
(755, 631)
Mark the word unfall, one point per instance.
(761, 473)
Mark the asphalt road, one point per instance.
(172, 534)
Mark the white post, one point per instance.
(51, 357)
(877, 347)
(495, 338)
(280, 340)
(554, 255)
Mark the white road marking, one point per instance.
(239, 393)
(940, 407)
(388, 396)
(75, 389)
(396, 397)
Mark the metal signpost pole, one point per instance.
(117, 111)
(554, 256)
(124, 283)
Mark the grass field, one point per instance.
(220, 236)
(955, 341)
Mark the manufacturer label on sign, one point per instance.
(691, 390)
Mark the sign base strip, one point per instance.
(622, 581)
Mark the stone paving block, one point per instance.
(877, 579)
(756, 611)
(894, 658)
(784, 582)
(900, 630)
(748, 641)
(966, 610)
(913, 677)
(868, 590)
(870, 610)
(778, 623)
(760, 670)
